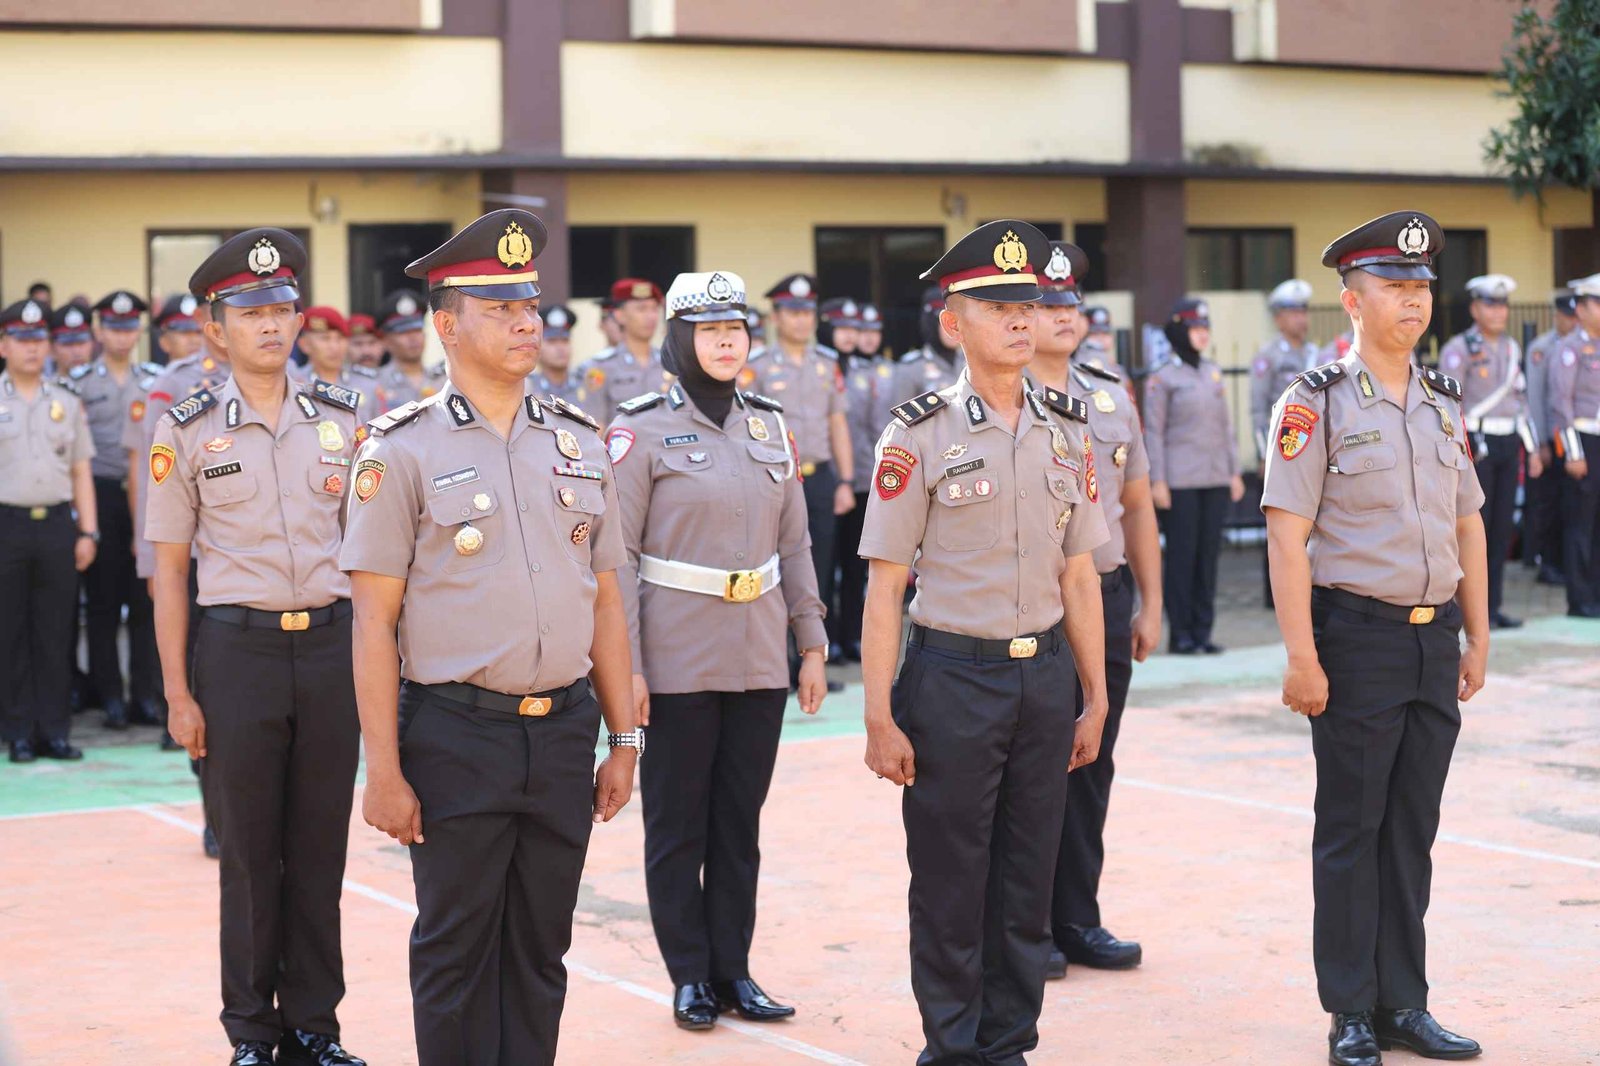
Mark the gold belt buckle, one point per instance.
(535, 706)
(808, 469)
(1421, 616)
(38, 514)
(743, 586)
(294, 621)
(1024, 647)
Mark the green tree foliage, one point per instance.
(1552, 70)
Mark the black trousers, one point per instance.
(1544, 525)
(992, 737)
(844, 625)
(278, 778)
(1083, 851)
(111, 584)
(1382, 750)
(703, 784)
(507, 803)
(1498, 471)
(1580, 514)
(1193, 528)
(39, 594)
(821, 520)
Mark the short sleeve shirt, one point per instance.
(1119, 452)
(811, 390)
(40, 440)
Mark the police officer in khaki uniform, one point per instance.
(554, 376)
(45, 452)
(1282, 359)
(1543, 528)
(871, 393)
(365, 347)
(718, 571)
(403, 378)
(632, 365)
(1129, 560)
(1575, 425)
(71, 340)
(1099, 343)
(869, 334)
(988, 491)
(325, 340)
(253, 475)
(1194, 473)
(1488, 363)
(482, 547)
(935, 365)
(109, 387)
(839, 337)
(1377, 550)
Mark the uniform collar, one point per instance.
(458, 410)
(5, 383)
(1358, 372)
(977, 413)
(236, 410)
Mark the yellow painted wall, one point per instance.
(73, 94)
(88, 232)
(1343, 120)
(731, 102)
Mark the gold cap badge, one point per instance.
(1010, 253)
(515, 249)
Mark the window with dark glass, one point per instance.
(602, 254)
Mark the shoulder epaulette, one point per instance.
(567, 409)
(766, 403)
(1100, 371)
(1062, 404)
(827, 352)
(1443, 382)
(918, 408)
(363, 371)
(81, 371)
(338, 395)
(150, 368)
(191, 407)
(640, 403)
(400, 416)
(1319, 378)
(66, 385)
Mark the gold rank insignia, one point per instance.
(1010, 253)
(1445, 422)
(329, 437)
(57, 412)
(515, 248)
(1103, 402)
(758, 428)
(567, 444)
(1058, 443)
(469, 541)
(1366, 384)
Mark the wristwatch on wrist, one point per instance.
(633, 739)
(822, 649)
(92, 536)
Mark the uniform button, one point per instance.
(722, 436)
(1024, 553)
(582, 502)
(524, 507)
(466, 512)
(735, 473)
(544, 628)
(739, 511)
(285, 492)
(535, 568)
(738, 555)
(1367, 464)
(1024, 608)
(1023, 494)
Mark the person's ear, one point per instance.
(1350, 301)
(214, 334)
(950, 325)
(444, 323)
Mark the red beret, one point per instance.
(324, 320)
(635, 289)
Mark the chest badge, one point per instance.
(329, 437)
(217, 445)
(1119, 455)
(1366, 384)
(1103, 402)
(1058, 443)
(758, 428)
(955, 451)
(57, 412)
(469, 540)
(567, 444)
(580, 532)
(333, 485)
(1446, 423)
(698, 457)
(481, 502)
(567, 497)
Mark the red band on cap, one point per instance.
(985, 272)
(474, 268)
(244, 279)
(1051, 285)
(1367, 253)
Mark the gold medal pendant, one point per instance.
(568, 444)
(469, 541)
(57, 412)
(758, 428)
(329, 437)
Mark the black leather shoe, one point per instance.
(1416, 1031)
(1212, 649)
(746, 997)
(300, 1048)
(59, 749)
(22, 751)
(1498, 620)
(208, 841)
(1350, 1041)
(835, 686)
(116, 714)
(1096, 948)
(694, 1007)
(251, 1053)
(146, 711)
(1056, 968)
(1184, 647)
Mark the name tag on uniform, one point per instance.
(962, 468)
(1368, 436)
(220, 470)
(680, 441)
(455, 477)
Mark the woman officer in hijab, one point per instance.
(714, 520)
(1194, 473)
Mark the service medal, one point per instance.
(469, 541)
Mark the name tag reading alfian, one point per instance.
(455, 477)
(221, 470)
(1368, 436)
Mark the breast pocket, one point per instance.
(967, 517)
(1453, 464)
(772, 464)
(1367, 481)
(578, 507)
(226, 512)
(1065, 496)
(472, 527)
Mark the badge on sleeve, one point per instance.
(619, 442)
(368, 476)
(894, 471)
(1294, 430)
(162, 459)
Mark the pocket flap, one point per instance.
(968, 489)
(223, 489)
(463, 505)
(766, 452)
(1063, 487)
(687, 460)
(1451, 455)
(1365, 460)
(581, 496)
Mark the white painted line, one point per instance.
(754, 1031)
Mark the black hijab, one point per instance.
(1178, 336)
(714, 398)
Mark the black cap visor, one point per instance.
(1021, 293)
(515, 290)
(1070, 297)
(281, 291)
(1395, 271)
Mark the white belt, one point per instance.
(1590, 426)
(1501, 426)
(734, 586)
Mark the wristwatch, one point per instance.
(823, 648)
(633, 739)
(92, 536)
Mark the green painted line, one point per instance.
(109, 776)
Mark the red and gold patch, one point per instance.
(894, 471)
(136, 411)
(333, 485)
(362, 433)
(594, 378)
(1294, 429)
(162, 459)
(368, 475)
(1091, 480)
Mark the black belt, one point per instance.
(982, 648)
(288, 621)
(1382, 610)
(38, 513)
(1112, 580)
(533, 705)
